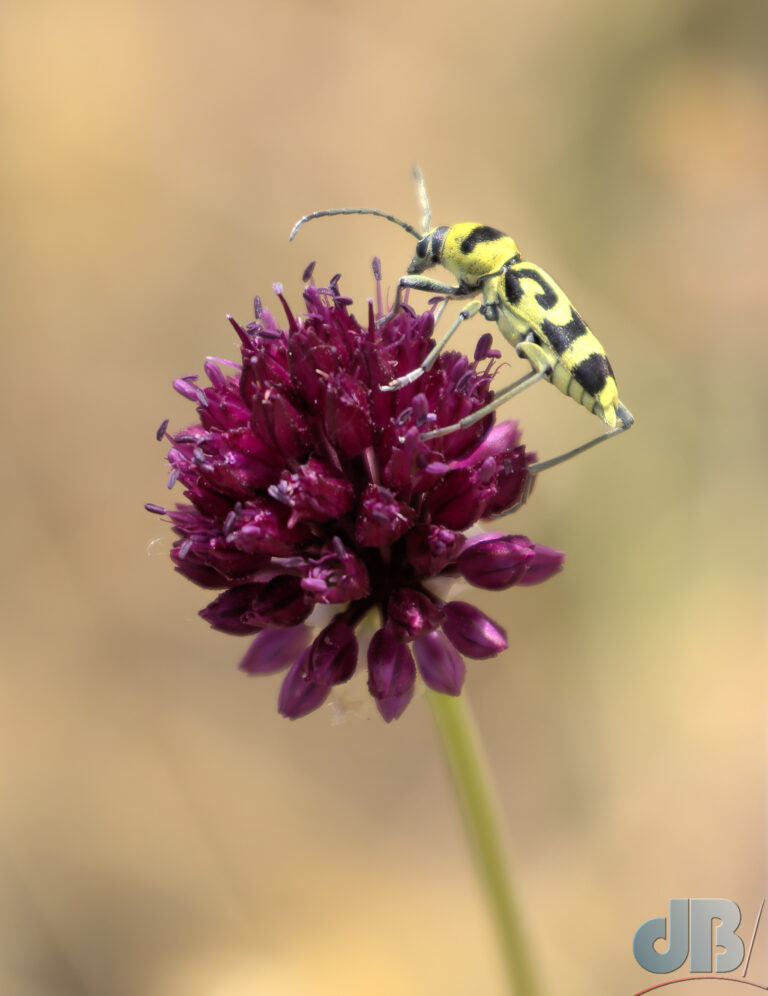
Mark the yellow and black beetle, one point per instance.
(531, 311)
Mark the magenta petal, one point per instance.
(381, 518)
(441, 667)
(333, 657)
(431, 548)
(496, 562)
(411, 612)
(391, 673)
(300, 694)
(275, 649)
(545, 563)
(472, 632)
(228, 611)
(279, 602)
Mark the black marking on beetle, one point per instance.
(593, 373)
(548, 297)
(512, 286)
(437, 241)
(481, 233)
(560, 337)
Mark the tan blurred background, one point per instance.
(163, 832)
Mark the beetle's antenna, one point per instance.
(426, 214)
(332, 211)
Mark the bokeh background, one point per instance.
(163, 832)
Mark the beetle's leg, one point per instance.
(429, 361)
(625, 418)
(501, 397)
(422, 284)
(536, 355)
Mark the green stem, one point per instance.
(472, 782)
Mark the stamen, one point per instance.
(243, 335)
(483, 346)
(307, 274)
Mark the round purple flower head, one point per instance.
(308, 485)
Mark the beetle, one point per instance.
(532, 312)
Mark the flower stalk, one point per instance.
(477, 800)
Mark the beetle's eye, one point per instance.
(421, 248)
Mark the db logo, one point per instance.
(689, 935)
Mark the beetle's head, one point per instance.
(429, 251)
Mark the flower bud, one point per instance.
(545, 563)
(274, 649)
(496, 562)
(279, 602)
(333, 657)
(432, 548)
(391, 673)
(411, 612)
(472, 632)
(440, 665)
(300, 694)
(381, 519)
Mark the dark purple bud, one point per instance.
(227, 612)
(275, 649)
(191, 565)
(458, 500)
(347, 415)
(382, 518)
(412, 613)
(200, 574)
(279, 602)
(472, 632)
(276, 418)
(333, 657)
(300, 694)
(397, 472)
(512, 473)
(496, 562)
(441, 667)
(262, 527)
(336, 575)
(314, 493)
(431, 549)
(545, 563)
(391, 673)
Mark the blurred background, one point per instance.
(163, 831)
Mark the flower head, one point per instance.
(308, 485)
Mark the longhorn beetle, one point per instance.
(531, 311)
